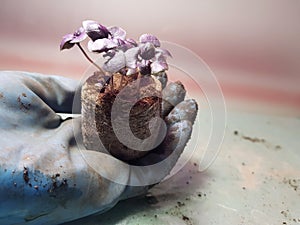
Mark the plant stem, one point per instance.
(112, 83)
(89, 59)
(139, 77)
(121, 82)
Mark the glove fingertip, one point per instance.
(173, 94)
(186, 110)
(178, 135)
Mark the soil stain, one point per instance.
(254, 140)
(23, 106)
(25, 175)
(259, 140)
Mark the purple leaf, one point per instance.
(95, 30)
(65, 43)
(158, 66)
(144, 38)
(119, 41)
(101, 45)
(131, 42)
(116, 63)
(117, 32)
(69, 40)
(164, 52)
(124, 47)
(109, 54)
(131, 56)
(127, 44)
(147, 51)
(78, 36)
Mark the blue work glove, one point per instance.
(44, 177)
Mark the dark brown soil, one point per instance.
(97, 102)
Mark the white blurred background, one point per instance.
(253, 47)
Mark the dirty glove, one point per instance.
(45, 178)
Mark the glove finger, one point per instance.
(154, 167)
(186, 110)
(21, 108)
(56, 91)
(179, 123)
(173, 94)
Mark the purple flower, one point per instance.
(95, 30)
(69, 40)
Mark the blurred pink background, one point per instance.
(253, 47)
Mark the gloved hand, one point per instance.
(44, 177)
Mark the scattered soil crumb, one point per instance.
(1, 95)
(292, 182)
(180, 204)
(24, 107)
(177, 211)
(284, 213)
(185, 218)
(236, 132)
(25, 175)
